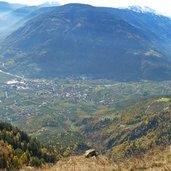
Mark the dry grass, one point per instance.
(83, 164)
(155, 160)
(80, 163)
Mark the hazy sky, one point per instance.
(162, 6)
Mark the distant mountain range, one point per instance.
(12, 16)
(5, 6)
(76, 39)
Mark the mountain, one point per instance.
(5, 6)
(11, 20)
(133, 131)
(155, 26)
(76, 39)
(13, 16)
(18, 149)
(10, 15)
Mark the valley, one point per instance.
(75, 77)
(64, 113)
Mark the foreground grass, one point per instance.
(80, 163)
(155, 160)
(158, 159)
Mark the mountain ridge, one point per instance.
(5, 6)
(94, 41)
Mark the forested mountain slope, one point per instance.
(133, 131)
(76, 40)
(17, 149)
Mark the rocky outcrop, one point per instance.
(90, 153)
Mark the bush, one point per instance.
(36, 162)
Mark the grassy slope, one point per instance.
(155, 160)
(158, 159)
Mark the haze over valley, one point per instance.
(75, 77)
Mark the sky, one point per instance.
(162, 6)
